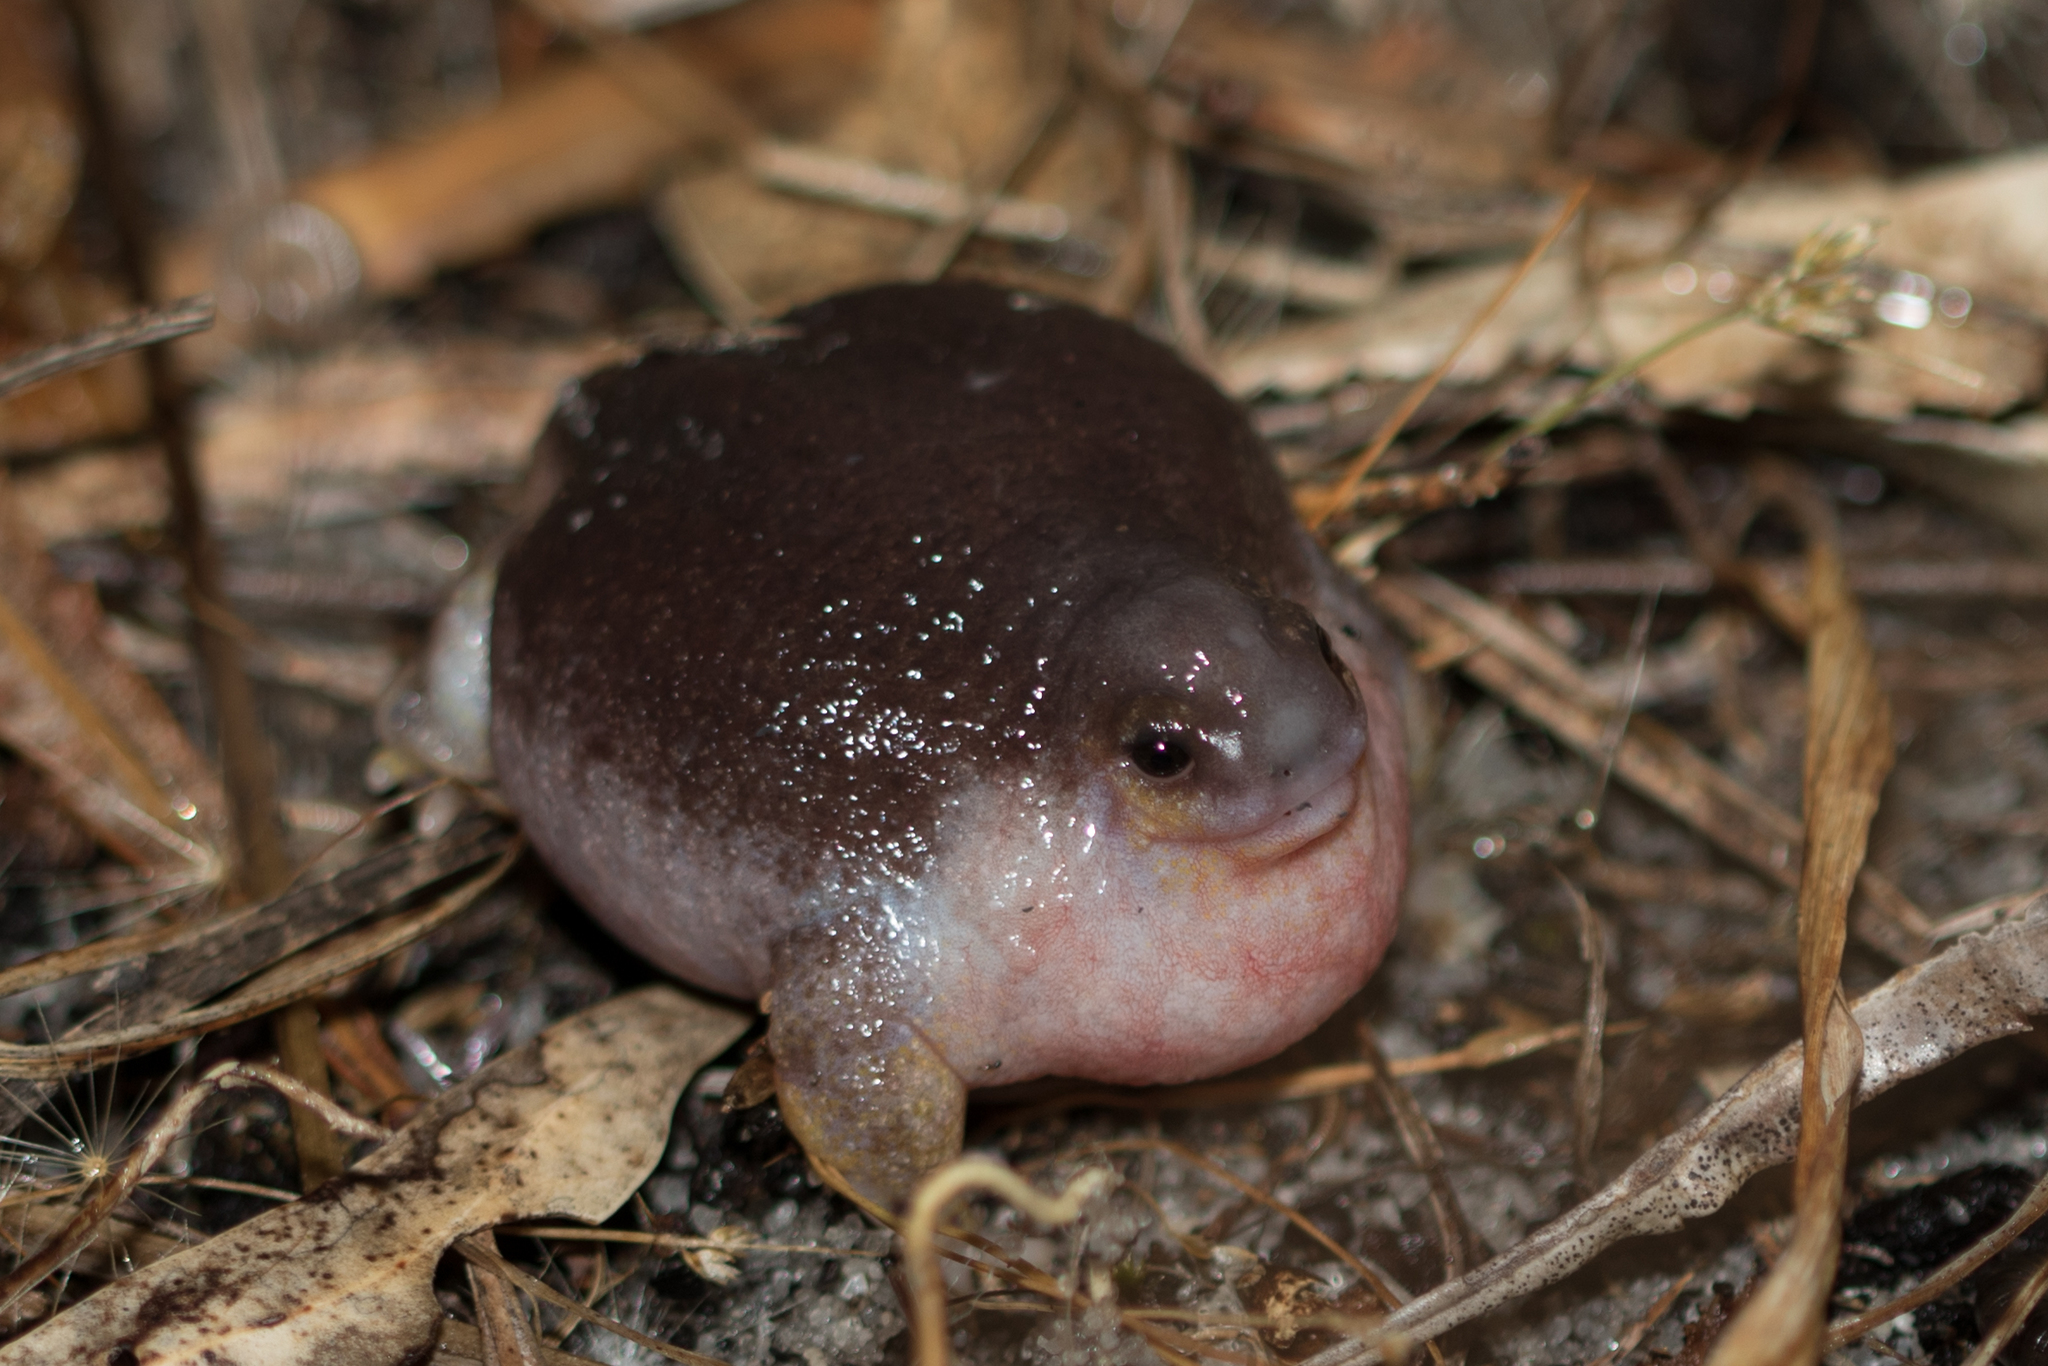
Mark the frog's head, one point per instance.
(1223, 717)
(1208, 861)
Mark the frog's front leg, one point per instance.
(860, 1083)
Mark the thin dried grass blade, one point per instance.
(113, 754)
(146, 328)
(280, 984)
(1848, 754)
(1531, 675)
(1418, 1138)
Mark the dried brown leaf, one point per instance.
(568, 1126)
(963, 96)
(109, 747)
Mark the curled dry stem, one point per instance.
(931, 1343)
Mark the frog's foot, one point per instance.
(869, 1094)
(884, 1117)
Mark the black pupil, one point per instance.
(1159, 755)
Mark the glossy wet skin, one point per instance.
(950, 666)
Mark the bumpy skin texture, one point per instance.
(949, 663)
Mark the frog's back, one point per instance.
(789, 590)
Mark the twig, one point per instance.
(2013, 1319)
(261, 867)
(1346, 490)
(1804, 299)
(478, 1253)
(145, 327)
(1488, 1049)
(572, 1233)
(505, 1334)
(1418, 1139)
(1533, 676)
(1372, 1279)
(1589, 1078)
(1682, 576)
(935, 251)
(1164, 179)
(1983, 1250)
(290, 980)
(1633, 1337)
(1617, 726)
(1983, 988)
(864, 184)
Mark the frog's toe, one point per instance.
(883, 1109)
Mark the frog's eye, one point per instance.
(1159, 753)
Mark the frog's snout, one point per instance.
(1234, 713)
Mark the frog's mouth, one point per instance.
(1308, 821)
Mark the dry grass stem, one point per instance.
(1530, 674)
(1488, 1048)
(1318, 506)
(1589, 1076)
(1418, 1139)
(1374, 1281)
(479, 1253)
(287, 981)
(1983, 988)
(146, 327)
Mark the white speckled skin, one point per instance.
(831, 671)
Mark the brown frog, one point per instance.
(944, 666)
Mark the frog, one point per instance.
(943, 667)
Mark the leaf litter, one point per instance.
(1615, 910)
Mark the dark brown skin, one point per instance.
(823, 673)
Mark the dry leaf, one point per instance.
(961, 95)
(567, 1126)
(351, 425)
(1406, 332)
(107, 744)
